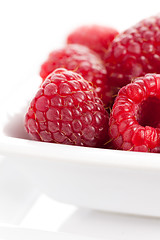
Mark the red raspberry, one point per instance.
(82, 60)
(134, 53)
(135, 118)
(66, 110)
(96, 37)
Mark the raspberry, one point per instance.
(66, 110)
(84, 61)
(134, 53)
(96, 37)
(135, 118)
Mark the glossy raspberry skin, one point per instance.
(66, 110)
(96, 37)
(135, 118)
(134, 52)
(84, 61)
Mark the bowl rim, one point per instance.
(17, 147)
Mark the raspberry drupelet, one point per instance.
(66, 110)
(134, 53)
(84, 61)
(135, 118)
(96, 37)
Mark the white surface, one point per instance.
(112, 226)
(29, 30)
(49, 215)
(19, 234)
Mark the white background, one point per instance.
(29, 30)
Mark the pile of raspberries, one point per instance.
(102, 89)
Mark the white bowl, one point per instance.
(108, 180)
